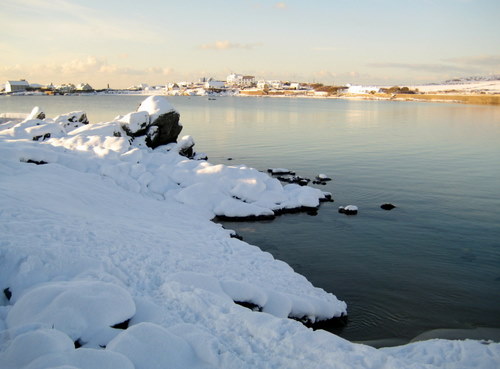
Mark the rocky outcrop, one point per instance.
(164, 130)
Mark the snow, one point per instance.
(462, 86)
(156, 106)
(58, 305)
(110, 232)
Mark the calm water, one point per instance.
(433, 262)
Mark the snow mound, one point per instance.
(59, 305)
(151, 346)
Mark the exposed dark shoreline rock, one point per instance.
(334, 324)
(250, 218)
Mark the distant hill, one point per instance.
(459, 81)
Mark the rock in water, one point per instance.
(387, 206)
(348, 210)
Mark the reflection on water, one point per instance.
(433, 262)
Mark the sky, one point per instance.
(124, 43)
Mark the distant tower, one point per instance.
(108, 86)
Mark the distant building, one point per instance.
(211, 84)
(262, 85)
(66, 88)
(360, 89)
(84, 87)
(15, 86)
(240, 80)
(277, 85)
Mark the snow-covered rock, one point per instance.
(163, 127)
(348, 210)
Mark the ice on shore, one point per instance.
(109, 246)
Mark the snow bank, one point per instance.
(109, 247)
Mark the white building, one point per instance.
(361, 89)
(277, 85)
(14, 86)
(211, 84)
(84, 87)
(240, 80)
(262, 85)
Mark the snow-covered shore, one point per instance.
(107, 245)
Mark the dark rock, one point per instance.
(250, 218)
(37, 162)
(322, 178)
(7, 293)
(387, 206)
(295, 179)
(327, 197)
(78, 343)
(122, 325)
(334, 325)
(249, 305)
(236, 235)
(280, 171)
(163, 130)
(229, 158)
(348, 210)
(43, 137)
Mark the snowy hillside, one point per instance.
(469, 85)
(108, 259)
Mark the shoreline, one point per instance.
(456, 98)
(474, 99)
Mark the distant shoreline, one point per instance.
(475, 99)
(461, 98)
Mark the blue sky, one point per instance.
(123, 42)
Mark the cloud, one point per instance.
(90, 69)
(324, 48)
(280, 5)
(423, 67)
(227, 45)
(57, 18)
(479, 60)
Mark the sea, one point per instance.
(433, 262)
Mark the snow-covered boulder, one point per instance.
(72, 120)
(164, 126)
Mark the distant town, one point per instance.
(469, 90)
(235, 84)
